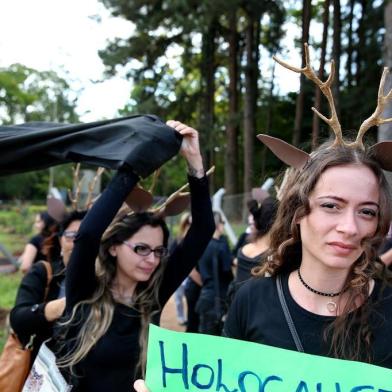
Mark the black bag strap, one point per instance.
(287, 315)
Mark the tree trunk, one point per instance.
(385, 130)
(361, 43)
(206, 126)
(251, 48)
(317, 99)
(350, 47)
(299, 109)
(336, 51)
(231, 156)
(268, 123)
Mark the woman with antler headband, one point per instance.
(111, 303)
(327, 293)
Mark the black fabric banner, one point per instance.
(143, 141)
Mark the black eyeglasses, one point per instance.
(145, 250)
(70, 234)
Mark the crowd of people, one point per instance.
(316, 250)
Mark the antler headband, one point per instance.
(141, 200)
(297, 158)
(57, 208)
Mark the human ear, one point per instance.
(113, 251)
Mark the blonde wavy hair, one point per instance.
(350, 333)
(101, 305)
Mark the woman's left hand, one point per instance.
(190, 148)
(140, 386)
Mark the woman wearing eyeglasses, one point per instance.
(112, 302)
(37, 306)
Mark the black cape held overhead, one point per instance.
(143, 141)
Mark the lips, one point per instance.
(342, 248)
(147, 270)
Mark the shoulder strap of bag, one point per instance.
(287, 315)
(49, 276)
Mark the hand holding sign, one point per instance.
(140, 386)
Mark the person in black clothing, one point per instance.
(185, 222)
(329, 225)
(34, 313)
(33, 250)
(253, 253)
(192, 293)
(104, 341)
(216, 275)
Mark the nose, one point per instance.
(347, 223)
(150, 258)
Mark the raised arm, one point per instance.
(190, 249)
(80, 277)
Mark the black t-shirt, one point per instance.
(245, 265)
(257, 316)
(110, 364)
(37, 242)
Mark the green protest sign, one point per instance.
(194, 362)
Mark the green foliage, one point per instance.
(9, 284)
(30, 95)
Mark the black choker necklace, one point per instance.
(316, 291)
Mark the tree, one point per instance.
(336, 51)
(30, 95)
(317, 99)
(306, 16)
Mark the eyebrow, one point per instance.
(337, 198)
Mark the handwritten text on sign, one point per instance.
(193, 362)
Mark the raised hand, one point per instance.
(190, 148)
(140, 386)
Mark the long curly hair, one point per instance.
(101, 305)
(349, 333)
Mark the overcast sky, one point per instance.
(64, 36)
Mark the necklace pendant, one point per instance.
(331, 306)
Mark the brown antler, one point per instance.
(375, 119)
(74, 198)
(325, 88)
(178, 192)
(154, 180)
(91, 186)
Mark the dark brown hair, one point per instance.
(349, 334)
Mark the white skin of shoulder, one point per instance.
(344, 209)
(131, 266)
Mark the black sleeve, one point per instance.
(36, 241)
(80, 276)
(26, 317)
(189, 250)
(226, 256)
